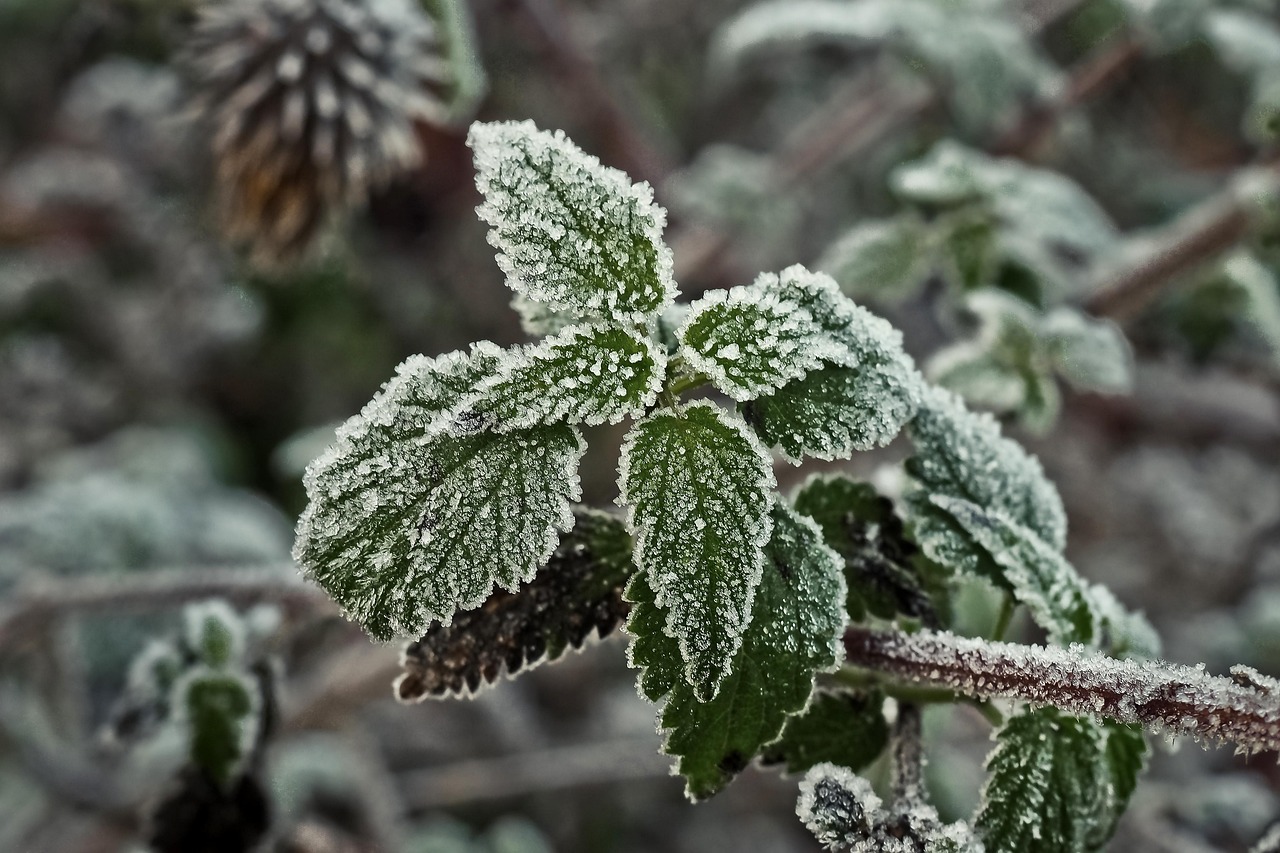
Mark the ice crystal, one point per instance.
(749, 341)
(570, 232)
(585, 374)
(793, 634)
(697, 485)
(857, 401)
(576, 596)
(408, 523)
(844, 813)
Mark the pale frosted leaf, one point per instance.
(1037, 574)
(1247, 42)
(1047, 784)
(214, 632)
(538, 319)
(1090, 354)
(1125, 757)
(860, 403)
(1261, 291)
(584, 374)
(749, 341)
(794, 633)
(406, 525)
(887, 259)
(570, 232)
(697, 488)
(1125, 634)
(576, 596)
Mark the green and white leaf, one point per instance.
(570, 232)
(749, 341)
(1090, 354)
(793, 634)
(697, 489)
(887, 259)
(538, 319)
(961, 454)
(859, 403)
(1261, 291)
(214, 632)
(842, 727)
(407, 524)
(1125, 633)
(1125, 758)
(218, 710)
(1037, 574)
(1046, 786)
(1245, 41)
(584, 374)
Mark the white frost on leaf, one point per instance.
(407, 524)
(1091, 354)
(697, 487)
(570, 232)
(749, 340)
(858, 401)
(584, 374)
(843, 812)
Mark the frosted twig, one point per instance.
(1176, 699)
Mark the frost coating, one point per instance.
(961, 454)
(843, 812)
(569, 231)
(857, 401)
(794, 633)
(697, 490)
(1046, 784)
(749, 341)
(585, 374)
(407, 524)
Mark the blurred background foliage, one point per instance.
(1069, 206)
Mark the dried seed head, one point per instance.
(310, 103)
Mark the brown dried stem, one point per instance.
(1179, 700)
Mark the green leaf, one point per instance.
(881, 565)
(794, 633)
(575, 596)
(969, 250)
(859, 403)
(961, 454)
(697, 487)
(1046, 785)
(584, 374)
(214, 633)
(1037, 574)
(887, 259)
(1125, 758)
(570, 232)
(1090, 354)
(407, 524)
(219, 710)
(843, 727)
(749, 341)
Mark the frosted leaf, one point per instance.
(570, 232)
(218, 710)
(887, 259)
(214, 633)
(962, 454)
(538, 319)
(1047, 784)
(1252, 279)
(1124, 758)
(858, 403)
(585, 374)
(1125, 634)
(793, 634)
(697, 488)
(668, 326)
(749, 341)
(881, 568)
(406, 524)
(1167, 25)
(1090, 354)
(1247, 42)
(577, 595)
(843, 727)
(844, 813)
(1037, 574)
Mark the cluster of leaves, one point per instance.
(1012, 243)
(444, 511)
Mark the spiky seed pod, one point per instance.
(309, 104)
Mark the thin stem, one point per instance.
(1180, 700)
(863, 679)
(907, 749)
(1004, 617)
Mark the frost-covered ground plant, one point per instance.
(767, 627)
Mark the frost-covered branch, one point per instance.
(1181, 700)
(1197, 237)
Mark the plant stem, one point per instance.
(862, 679)
(1179, 700)
(1004, 617)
